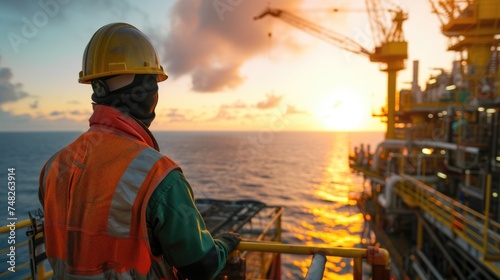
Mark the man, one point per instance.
(115, 208)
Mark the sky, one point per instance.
(226, 71)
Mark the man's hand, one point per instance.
(231, 239)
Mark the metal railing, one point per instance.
(377, 257)
(475, 134)
(270, 233)
(19, 268)
(475, 228)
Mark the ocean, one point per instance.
(306, 172)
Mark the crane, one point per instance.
(331, 36)
(473, 27)
(391, 49)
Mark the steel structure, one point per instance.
(473, 28)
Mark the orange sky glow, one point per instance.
(227, 71)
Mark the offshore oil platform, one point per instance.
(432, 186)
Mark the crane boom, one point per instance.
(447, 10)
(332, 37)
(377, 26)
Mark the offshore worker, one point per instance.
(114, 207)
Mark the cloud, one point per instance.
(56, 113)
(249, 116)
(34, 105)
(75, 113)
(80, 113)
(26, 122)
(235, 112)
(271, 102)
(215, 78)
(175, 116)
(238, 104)
(227, 111)
(292, 110)
(224, 114)
(9, 92)
(211, 40)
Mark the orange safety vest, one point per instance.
(95, 193)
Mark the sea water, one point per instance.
(305, 172)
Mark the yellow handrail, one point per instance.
(475, 228)
(20, 224)
(41, 273)
(378, 258)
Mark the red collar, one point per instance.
(107, 118)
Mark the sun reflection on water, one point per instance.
(336, 220)
(333, 227)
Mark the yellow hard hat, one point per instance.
(119, 48)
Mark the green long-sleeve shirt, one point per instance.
(177, 231)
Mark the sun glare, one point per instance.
(341, 110)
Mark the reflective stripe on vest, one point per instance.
(120, 213)
(47, 167)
